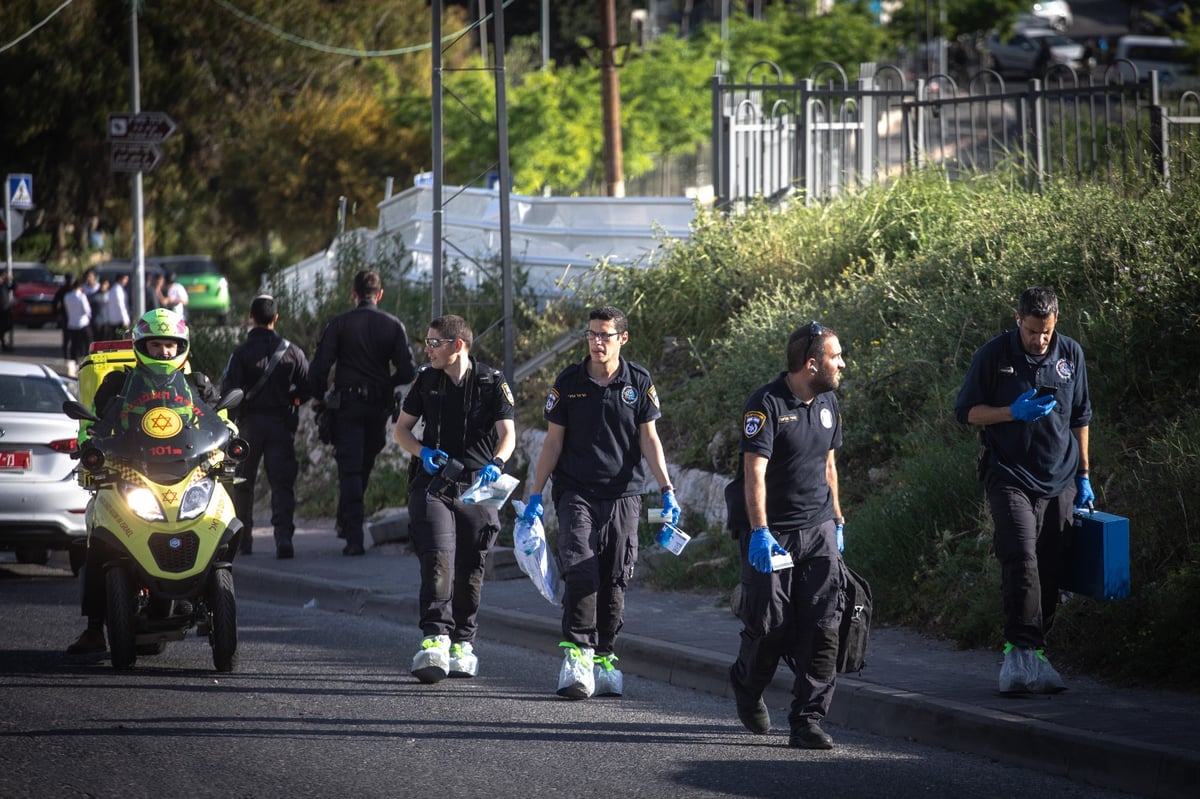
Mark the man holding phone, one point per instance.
(1028, 390)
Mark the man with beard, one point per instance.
(784, 512)
(1027, 389)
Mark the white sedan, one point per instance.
(42, 505)
(1017, 54)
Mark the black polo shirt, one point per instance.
(1043, 456)
(602, 452)
(461, 420)
(795, 438)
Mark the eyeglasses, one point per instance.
(437, 342)
(599, 335)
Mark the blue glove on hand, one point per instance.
(841, 539)
(489, 474)
(670, 511)
(762, 546)
(1029, 407)
(1084, 498)
(432, 460)
(534, 509)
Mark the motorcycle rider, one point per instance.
(161, 348)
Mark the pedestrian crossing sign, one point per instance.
(20, 192)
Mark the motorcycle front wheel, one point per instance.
(121, 618)
(222, 607)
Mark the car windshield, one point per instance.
(30, 394)
(32, 274)
(1055, 40)
(197, 267)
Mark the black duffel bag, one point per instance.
(856, 622)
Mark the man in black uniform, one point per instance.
(1028, 388)
(468, 411)
(273, 373)
(161, 347)
(365, 343)
(601, 415)
(784, 502)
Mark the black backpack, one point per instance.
(856, 623)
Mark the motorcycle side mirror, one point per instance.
(231, 400)
(78, 411)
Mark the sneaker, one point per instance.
(1018, 673)
(575, 678)
(1047, 680)
(89, 642)
(608, 678)
(752, 710)
(432, 663)
(810, 736)
(463, 661)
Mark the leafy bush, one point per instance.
(915, 276)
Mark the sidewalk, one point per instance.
(1144, 742)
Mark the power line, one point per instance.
(31, 31)
(325, 48)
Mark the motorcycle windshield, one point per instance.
(163, 429)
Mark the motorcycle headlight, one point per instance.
(143, 502)
(196, 498)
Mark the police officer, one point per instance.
(1028, 388)
(467, 408)
(365, 343)
(273, 373)
(783, 501)
(601, 415)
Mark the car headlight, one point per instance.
(196, 498)
(143, 502)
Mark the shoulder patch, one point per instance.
(507, 392)
(653, 395)
(552, 400)
(753, 423)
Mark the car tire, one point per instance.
(33, 555)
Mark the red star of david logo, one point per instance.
(160, 421)
(170, 496)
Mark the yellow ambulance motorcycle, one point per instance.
(158, 468)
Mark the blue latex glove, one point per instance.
(671, 510)
(534, 509)
(1084, 498)
(762, 546)
(1029, 407)
(841, 539)
(432, 460)
(489, 474)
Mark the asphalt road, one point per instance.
(322, 705)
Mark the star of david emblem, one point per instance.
(160, 421)
(170, 496)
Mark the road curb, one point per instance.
(1105, 761)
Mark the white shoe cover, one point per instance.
(575, 678)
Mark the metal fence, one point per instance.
(828, 135)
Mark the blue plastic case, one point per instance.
(1097, 563)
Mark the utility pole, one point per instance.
(138, 291)
(610, 98)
